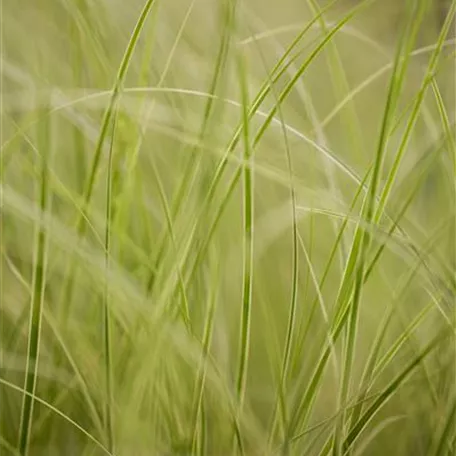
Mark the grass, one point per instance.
(226, 231)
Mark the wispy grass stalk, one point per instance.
(37, 298)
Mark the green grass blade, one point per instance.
(329, 263)
(276, 73)
(266, 89)
(58, 412)
(107, 118)
(340, 85)
(352, 324)
(37, 298)
(107, 324)
(193, 163)
(446, 123)
(441, 447)
(128, 190)
(388, 391)
(248, 240)
(259, 135)
(197, 438)
(370, 364)
(428, 78)
(50, 321)
(290, 332)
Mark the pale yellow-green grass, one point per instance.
(227, 227)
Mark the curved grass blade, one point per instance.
(304, 402)
(441, 447)
(107, 325)
(323, 426)
(281, 393)
(184, 310)
(360, 252)
(8, 447)
(133, 156)
(57, 412)
(237, 175)
(388, 392)
(374, 77)
(197, 409)
(340, 85)
(248, 239)
(446, 123)
(328, 265)
(230, 189)
(264, 91)
(379, 428)
(107, 118)
(224, 161)
(273, 77)
(370, 364)
(195, 158)
(262, 129)
(428, 78)
(395, 222)
(37, 296)
(52, 324)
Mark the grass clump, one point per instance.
(225, 231)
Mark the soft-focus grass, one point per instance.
(228, 227)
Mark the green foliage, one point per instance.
(227, 228)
